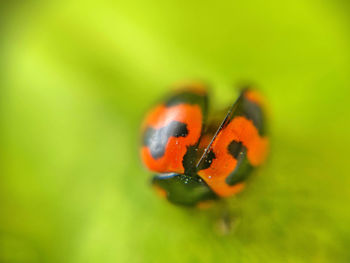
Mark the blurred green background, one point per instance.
(76, 79)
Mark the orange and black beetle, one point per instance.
(199, 158)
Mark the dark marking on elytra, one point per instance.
(157, 139)
(243, 167)
(235, 148)
(208, 160)
(248, 109)
(186, 97)
(189, 159)
(253, 112)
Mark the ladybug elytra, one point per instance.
(197, 158)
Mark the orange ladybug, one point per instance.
(197, 158)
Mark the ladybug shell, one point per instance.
(238, 146)
(171, 127)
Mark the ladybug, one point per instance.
(199, 158)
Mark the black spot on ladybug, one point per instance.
(253, 112)
(189, 97)
(206, 163)
(243, 167)
(189, 158)
(157, 139)
(235, 148)
(186, 97)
